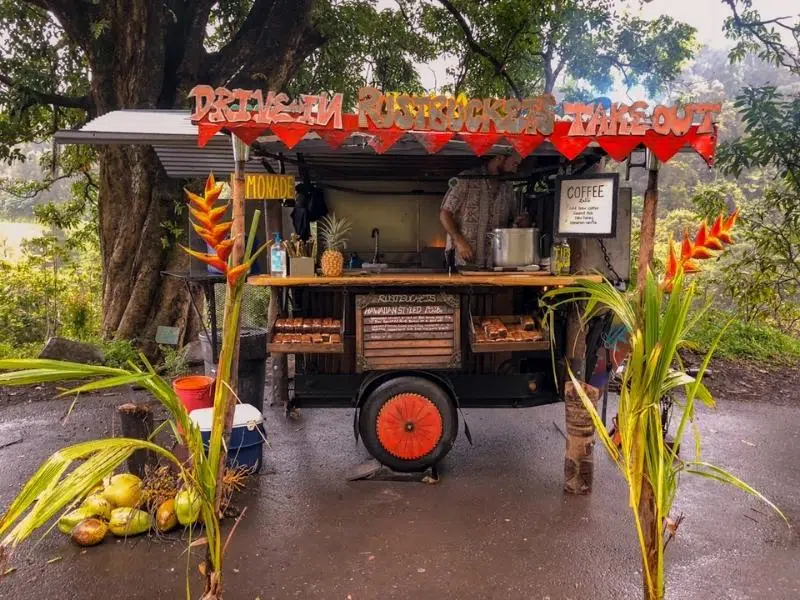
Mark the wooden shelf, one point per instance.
(323, 348)
(425, 280)
(503, 346)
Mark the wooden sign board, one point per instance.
(586, 206)
(420, 331)
(531, 115)
(263, 186)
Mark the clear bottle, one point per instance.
(277, 255)
(565, 257)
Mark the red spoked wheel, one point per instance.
(408, 423)
(409, 426)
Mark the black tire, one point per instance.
(371, 409)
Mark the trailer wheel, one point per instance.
(408, 423)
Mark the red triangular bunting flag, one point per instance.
(524, 143)
(290, 133)
(480, 143)
(383, 139)
(247, 134)
(618, 147)
(663, 146)
(334, 137)
(705, 144)
(433, 141)
(206, 131)
(570, 147)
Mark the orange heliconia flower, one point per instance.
(207, 223)
(706, 242)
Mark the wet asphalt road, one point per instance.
(497, 526)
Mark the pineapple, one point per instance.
(334, 233)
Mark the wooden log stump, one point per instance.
(578, 461)
(137, 422)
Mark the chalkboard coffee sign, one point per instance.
(586, 205)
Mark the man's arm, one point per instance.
(451, 227)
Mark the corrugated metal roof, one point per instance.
(174, 138)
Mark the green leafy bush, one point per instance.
(118, 353)
(173, 361)
(744, 340)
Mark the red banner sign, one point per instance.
(434, 120)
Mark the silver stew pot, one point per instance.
(515, 247)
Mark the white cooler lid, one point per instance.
(245, 415)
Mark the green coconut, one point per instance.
(123, 490)
(187, 506)
(98, 506)
(128, 521)
(68, 521)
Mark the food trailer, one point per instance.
(407, 338)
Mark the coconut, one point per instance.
(187, 506)
(89, 532)
(166, 518)
(129, 521)
(68, 521)
(98, 506)
(124, 490)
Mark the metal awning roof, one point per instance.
(174, 138)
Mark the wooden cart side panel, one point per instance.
(407, 330)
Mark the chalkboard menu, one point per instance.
(395, 331)
(586, 205)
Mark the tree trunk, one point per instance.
(136, 421)
(651, 528)
(136, 199)
(149, 55)
(648, 227)
(578, 460)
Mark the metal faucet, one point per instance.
(376, 234)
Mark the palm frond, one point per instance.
(715, 473)
(50, 490)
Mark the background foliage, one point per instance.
(577, 48)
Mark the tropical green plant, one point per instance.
(54, 487)
(173, 361)
(658, 322)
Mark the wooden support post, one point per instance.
(279, 376)
(578, 460)
(648, 227)
(137, 423)
(230, 323)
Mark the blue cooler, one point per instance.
(247, 435)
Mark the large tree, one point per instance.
(521, 47)
(770, 272)
(68, 60)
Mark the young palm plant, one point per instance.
(54, 487)
(657, 319)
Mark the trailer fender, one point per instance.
(373, 380)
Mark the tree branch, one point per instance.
(500, 68)
(273, 28)
(757, 29)
(512, 39)
(75, 17)
(82, 102)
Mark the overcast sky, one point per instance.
(707, 16)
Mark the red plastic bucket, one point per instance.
(195, 391)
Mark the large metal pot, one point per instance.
(515, 247)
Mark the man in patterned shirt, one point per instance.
(474, 206)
